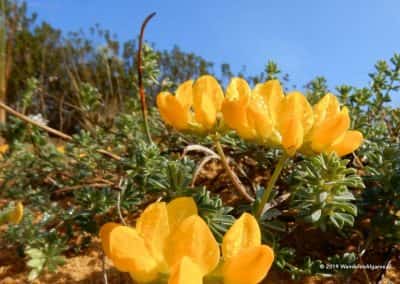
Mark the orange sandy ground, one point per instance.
(87, 268)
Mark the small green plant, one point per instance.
(47, 258)
(322, 191)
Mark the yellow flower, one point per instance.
(172, 240)
(249, 112)
(266, 115)
(60, 149)
(3, 149)
(151, 249)
(330, 130)
(246, 260)
(195, 106)
(295, 120)
(15, 216)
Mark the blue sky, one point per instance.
(339, 39)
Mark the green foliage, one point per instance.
(321, 192)
(39, 241)
(339, 265)
(49, 258)
(381, 199)
(272, 70)
(316, 89)
(214, 212)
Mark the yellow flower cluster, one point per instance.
(171, 241)
(194, 106)
(263, 114)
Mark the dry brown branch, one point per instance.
(51, 130)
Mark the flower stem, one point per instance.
(271, 183)
(140, 79)
(235, 180)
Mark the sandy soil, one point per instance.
(88, 269)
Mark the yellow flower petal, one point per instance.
(244, 233)
(4, 148)
(184, 94)
(172, 111)
(272, 93)
(250, 266)
(207, 100)
(179, 209)
(130, 254)
(328, 106)
(16, 215)
(60, 149)
(153, 227)
(235, 116)
(329, 130)
(238, 90)
(295, 121)
(348, 143)
(186, 272)
(193, 239)
(292, 136)
(259, 119)
(234, 107)
(104, 233)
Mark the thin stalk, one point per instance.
(3, 43)
(103, 267)
(271, 183)
(50, 130)
(140, 79)
(235, 180)
(363, 251)
(119, 208)
(34, 122)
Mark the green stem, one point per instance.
(146, 126)
(271, 183)
(235, 180)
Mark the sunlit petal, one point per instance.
(328, 106)
(295, 120)
(194, 239)
(259, 119)
(244, 233)
(272, 93)
(329, 130)
(172, 111)
(207, 100)
(153, 227)
(348, 143)
(104, 233)
(235, 108)
(179, 209)
(129, 253)
(250, 266)
(186, 272)
(184, 94)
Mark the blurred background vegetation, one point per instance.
(63, 66)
